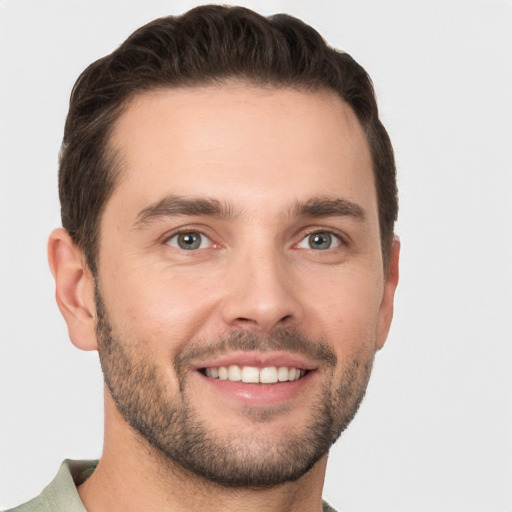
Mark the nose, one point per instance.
(261, 294)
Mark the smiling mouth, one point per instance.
(255, 375)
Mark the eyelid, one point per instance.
(342, 237)
(201, 243)
(200, 230)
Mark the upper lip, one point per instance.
(257, 359)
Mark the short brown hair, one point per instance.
(207, 45)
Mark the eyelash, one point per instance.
(341, 239)
(187, 231)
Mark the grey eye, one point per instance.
(189, 241)
(320, 241)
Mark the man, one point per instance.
(228, 201)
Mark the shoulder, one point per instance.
(38, 504)
(61, 494)
(327, 508)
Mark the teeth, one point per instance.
(282, 374)
(252, 374)
(269, 375)
(234, 373)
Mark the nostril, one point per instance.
(245, 323)
(260, 310)
(245, 320)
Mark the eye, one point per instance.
(189, 241)
(320, 241)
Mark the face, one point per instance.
(240, 288)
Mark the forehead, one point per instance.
(239, 143)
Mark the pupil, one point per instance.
(320, 240)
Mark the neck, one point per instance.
(132, 475)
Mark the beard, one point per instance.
(168, 421)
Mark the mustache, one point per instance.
(283, 339)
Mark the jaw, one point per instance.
(168, 486)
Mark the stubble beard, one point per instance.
(171, 425)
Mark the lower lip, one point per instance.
(258, 394)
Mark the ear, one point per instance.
(74, 289)
(388, 297)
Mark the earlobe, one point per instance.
(74, 289)
(388, 297)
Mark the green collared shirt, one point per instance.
(61, 495)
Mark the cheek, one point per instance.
(157, 305)
(347, 309)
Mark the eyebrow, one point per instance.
(327, 207)
(172, 205)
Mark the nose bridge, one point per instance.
(261, 290)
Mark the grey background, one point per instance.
(434, 433)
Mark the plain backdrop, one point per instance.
(435, 431)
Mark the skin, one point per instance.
(261, 152)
